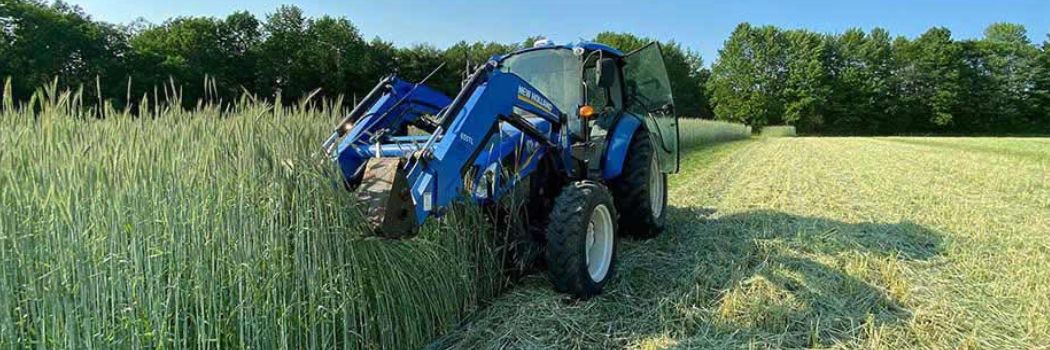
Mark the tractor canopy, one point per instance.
(556, 70)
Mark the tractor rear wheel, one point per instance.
(641, 190)
(581, 239)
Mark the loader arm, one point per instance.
(568, 184)
(383, 114)
(405, 179)
(436, 176)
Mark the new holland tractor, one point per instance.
(586, 132)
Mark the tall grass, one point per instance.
(778, 131)
(696, 132)
(216, 227)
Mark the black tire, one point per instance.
(567, 238)
(632, 193)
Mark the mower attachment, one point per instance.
(384, 192)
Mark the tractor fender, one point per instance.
(619, 142)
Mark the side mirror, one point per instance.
(606, 72)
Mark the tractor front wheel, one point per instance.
(581, 239)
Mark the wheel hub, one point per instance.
(656, 189)
(599, 243)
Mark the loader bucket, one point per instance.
(388, 203)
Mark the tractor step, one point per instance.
(387, 202)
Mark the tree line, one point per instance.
(286, 55)
(854, 82)
(861, 82)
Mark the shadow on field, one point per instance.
(770, 277)
(723, 281)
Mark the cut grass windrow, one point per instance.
(819, 242)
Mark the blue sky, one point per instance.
(699, 25)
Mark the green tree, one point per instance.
(931, 82)
(806, 86)
(42, 42)
(979, 101)
(684, 68)
(882, 85)
(300, 54)
(283, 53)
(622, 41)
(415, 62)
(863, 84)
(458, 56)
(378, 62)
(189, 49)
(748, 77)
(184, 48)
(847, 105)
(530, 41)
(1010, 60)
(334, 50)
(687, 76)
(852, 83)
(1041, 90)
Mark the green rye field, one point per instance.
(183, 229)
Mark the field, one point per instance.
(186, 229)
(884, 243)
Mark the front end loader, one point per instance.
(587, 132)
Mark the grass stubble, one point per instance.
(880, 243)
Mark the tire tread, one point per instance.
(569, 218)
(631, 190)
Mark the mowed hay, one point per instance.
(874, 243)
(194, 230)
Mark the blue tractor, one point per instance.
(585, 133)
